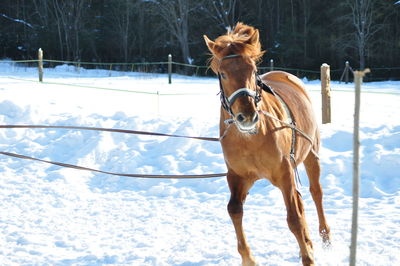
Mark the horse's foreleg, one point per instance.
(295, 215)
(239, 188)
(313, 169)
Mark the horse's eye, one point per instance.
(223, 75)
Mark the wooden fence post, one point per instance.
(271, 64)
(158, 103)
(109, 73)
(169, 69)
(78, 66)
(345, 74)
(40, 64)
(326, 93)
(347, 67)
(358, 77)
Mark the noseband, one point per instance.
(227, 102)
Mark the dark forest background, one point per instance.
(295, 33)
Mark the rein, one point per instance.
(77, 167)
(126, 131)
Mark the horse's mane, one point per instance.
(242, 39)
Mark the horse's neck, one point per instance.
(273, 106)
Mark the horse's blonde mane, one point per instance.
(242, 39)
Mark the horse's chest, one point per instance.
(250, 159)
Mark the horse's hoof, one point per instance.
(326, 239)
(253, 263)
(249, 262)
(307, 260)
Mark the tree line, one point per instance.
(294, 33)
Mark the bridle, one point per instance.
(227, 102)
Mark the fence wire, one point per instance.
(149, 69)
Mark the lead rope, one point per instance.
(292, 127)
(227, 122)
(297, 180)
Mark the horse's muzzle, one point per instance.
(247, 123)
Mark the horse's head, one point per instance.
(234, 58)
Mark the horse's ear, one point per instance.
(255, 38)
(210, 44)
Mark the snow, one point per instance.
(57, 216)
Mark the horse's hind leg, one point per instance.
(239, 188)
(313, 169)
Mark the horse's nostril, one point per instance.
(240, 117)
(255, 117)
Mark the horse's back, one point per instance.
(293, 92)
(283, 81)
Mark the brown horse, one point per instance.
(262, 144)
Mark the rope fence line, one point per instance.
(146, 63)
(165, 63)
(168, 94)
(169, 63)
(109, 89)
(191, 69)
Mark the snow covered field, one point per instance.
(55, 216)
